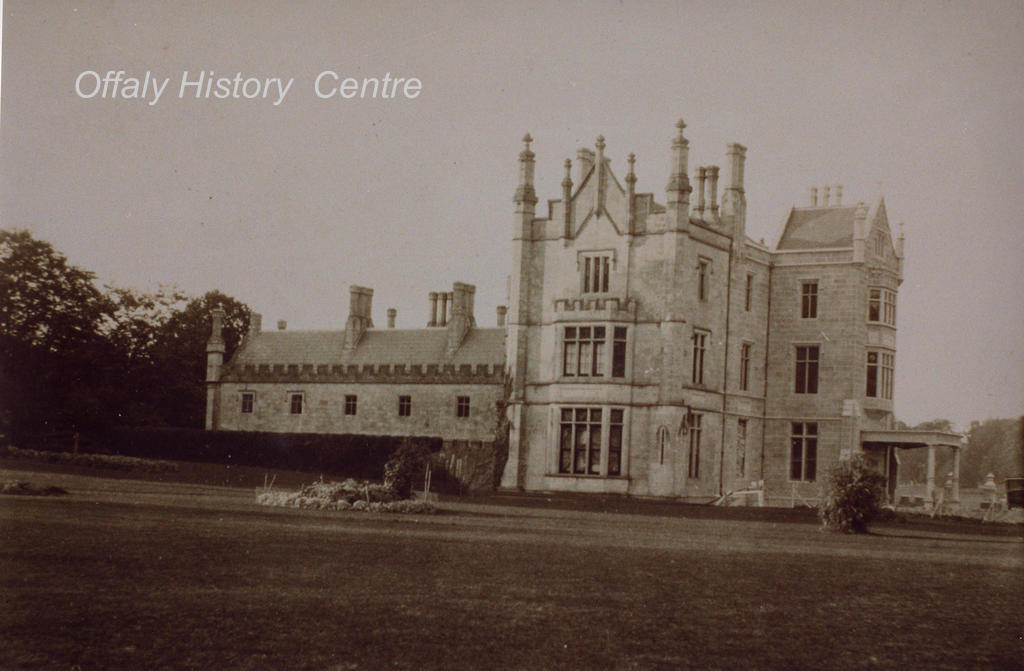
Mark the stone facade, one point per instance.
(650, 349)
(704, 399)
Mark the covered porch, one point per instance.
(886, 442)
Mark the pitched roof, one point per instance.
(377, 346)
(818, 227)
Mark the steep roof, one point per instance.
(377, 346)
(818, 227)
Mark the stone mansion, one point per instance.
(649, 348)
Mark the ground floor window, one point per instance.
(248, 401)
(351, 404)
(404, 406)
(462, 406)
(803, 456)
(585, 435)
(694, 423)
(741, 448)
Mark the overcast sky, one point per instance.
(284, 206)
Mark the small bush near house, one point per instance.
(853, 496)
(406, 462)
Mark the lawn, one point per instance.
(127, 574)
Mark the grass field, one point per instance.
(132, 574)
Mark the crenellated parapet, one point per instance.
(609, 308)
(367, 373)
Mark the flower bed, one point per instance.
(25, 488)
(349, 494)
(94, 460)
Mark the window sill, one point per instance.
(586, 476)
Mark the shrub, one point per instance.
(853, 496)
(407, 461)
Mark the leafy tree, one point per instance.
(180, 354)
(51, 348)
(45, 301)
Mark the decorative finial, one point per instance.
(631, 159)
(527, 140)
(600, 142)
(680, 125)
(568, 164)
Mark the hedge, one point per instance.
(347, 455)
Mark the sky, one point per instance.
(283, 206)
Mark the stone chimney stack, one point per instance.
(255, 323)
(282, 325)
(584, 162)
(677, 196)
(699, 207)
(814, 196)
(734, 200)
(359, 319)
(713, 191)
(392, 313)
(462, 315)
(825, 196)
(214, 363)
(432, 296)
(860, 232)
(442, 315)
(502, 311)
(839, 195)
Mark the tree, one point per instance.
(44, 301)
(51, 349)
(180, 354)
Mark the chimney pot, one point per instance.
(839, 195)
(392, 313)
(814, 196)
(282, 325)
(255, 323)
(502, 311)
(825, 196)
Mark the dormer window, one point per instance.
(595, 270)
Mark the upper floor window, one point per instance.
(296, 404)
(882, 306)
(404, 406)
(662, 444)
(749, 292)
(803, 453)
(879, 375)
(809, 299)
(351, 404)
(693, 462)
(462, 406)
(807, 369)
(703, 277)
(745, 366)
(584, 351)
(596, 269)
(700, 347)
(248, 401)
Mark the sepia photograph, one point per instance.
(486, 335)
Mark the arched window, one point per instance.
(662, 443)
